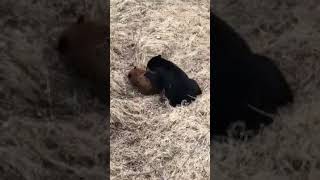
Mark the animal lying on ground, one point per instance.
(141, 82)
(172, 81)
(245, 87)
(84, 45)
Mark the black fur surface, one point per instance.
(167, 76)
(241, 80)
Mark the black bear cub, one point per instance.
(172, 81)
(245, 86)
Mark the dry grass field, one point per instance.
(287, 31)
(150, 139)
(51, 126)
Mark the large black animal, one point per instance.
(245, 87)
(173, 81)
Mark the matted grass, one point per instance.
(149, 139)
(51, 127)
(288, 32)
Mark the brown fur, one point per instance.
(85, 46)
(138, 80)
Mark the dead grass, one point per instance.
(51, 127)
(150, 140)
(287, 31)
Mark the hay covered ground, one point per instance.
(51, 127)
(149, 139)
(288, 32)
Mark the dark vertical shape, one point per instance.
(108, 91)
(212, 66)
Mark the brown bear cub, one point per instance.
(84, 45)
(137, 79)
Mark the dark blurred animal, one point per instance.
(245, 87)
(84, 45)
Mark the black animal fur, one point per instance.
(167, 76)
(240, 80)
